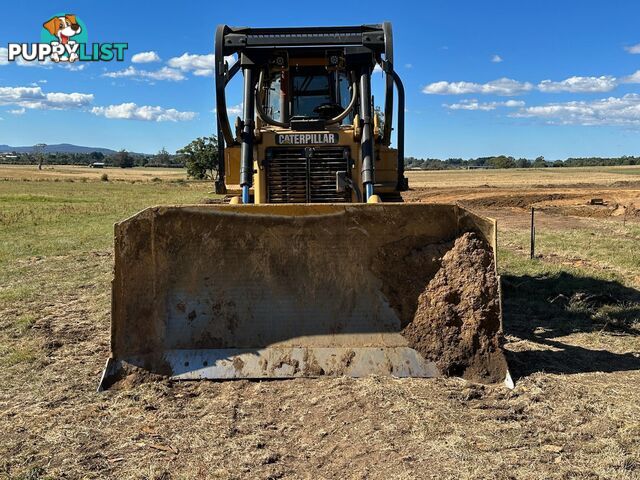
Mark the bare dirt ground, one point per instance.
(572, 330)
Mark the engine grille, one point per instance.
(305, 174)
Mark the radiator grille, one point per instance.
(305, 174)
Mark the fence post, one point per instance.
(533, 233)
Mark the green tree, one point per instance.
(123, 159)
(38, 150)
(539, 162)
(502, 162)
(162, 158)
(201, 158)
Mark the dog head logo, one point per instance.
(63, 27)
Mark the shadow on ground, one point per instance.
(541, 309)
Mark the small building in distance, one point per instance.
(97, 165)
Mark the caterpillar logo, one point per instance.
(307, 139)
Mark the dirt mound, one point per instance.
(608, 210)
(632, 184)
(633, 211)
(405, 270)
(457, 320)
(515, 201)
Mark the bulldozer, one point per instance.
(310, 267)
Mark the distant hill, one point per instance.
(58, 148)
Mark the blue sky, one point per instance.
(545, 78)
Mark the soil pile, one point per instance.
(515, 200)
(405, 271)
(457, 320)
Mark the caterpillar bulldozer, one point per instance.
(291, 276)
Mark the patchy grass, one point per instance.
(585, 290)
(580, 293)
(25, 322)
(584, 293)
(602, 248)
(18, 355)
(55, 218)
(630, 170)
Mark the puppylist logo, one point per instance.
(63, 38)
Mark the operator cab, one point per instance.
(307, 92)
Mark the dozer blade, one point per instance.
(277, 291)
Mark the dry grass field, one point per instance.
(517, 177)
(572, 328)
(78, 173)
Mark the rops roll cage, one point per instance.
(359, 47)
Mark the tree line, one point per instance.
(123, 159)
(200, 158)
(503, 161)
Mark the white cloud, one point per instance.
(200, 65)
(496, 58)
(508, 87)
(623, 110)
(34, 97)
(75, 67)
(165, 73)
(408, 65)
(131, 111)
(46, 63)
(203, 72)
(633, 78)
(145, 57)
(502, 86)
(513, 103)
(470, 105)
(377, 69)
(473, 104)
(235, 110)
(604, 83)
(634, 49)
(69, 98)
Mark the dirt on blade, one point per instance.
(406, 270)
(457, 320)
